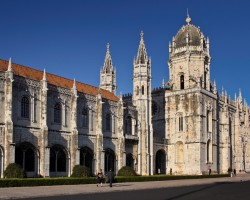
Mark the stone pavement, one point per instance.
(43, 191)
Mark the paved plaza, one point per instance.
(46, 191)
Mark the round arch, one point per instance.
(160, 162)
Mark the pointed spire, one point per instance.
(74, 88)
(215, 88)
(74, 84)
(108, 66)
(44, 75)
(142, 34)
(99, 90)
(188, 19)
(44, 81)
(169, 47)
(222, 91)
(142, 54)
(163, 83)
(10, 66)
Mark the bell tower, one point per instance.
(142, 100)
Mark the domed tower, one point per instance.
(190, 105)
(189, 59)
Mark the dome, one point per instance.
(193, 34)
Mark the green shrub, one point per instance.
(28, 182)
(14, 171)
(126, 171)
(81, 171)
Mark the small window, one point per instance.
(182, 82)
(57, 113)
(180, 123)
(25, 107)
(142, 90)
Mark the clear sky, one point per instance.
(69, 38)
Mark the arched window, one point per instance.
(58, 159)
(25, 156)
(57, 113)
(109, 160)
(108, 122)
(182, 82)
(85, 118)
(128, 125)
(142, 90)
(86, 157)
(25, 104)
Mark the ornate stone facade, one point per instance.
(49, 124)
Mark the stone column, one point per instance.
(43, 135)
(9, 154)
(74, 133)
(99, 136)
(121, 139)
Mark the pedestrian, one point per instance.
(209, 171)
(110, 177)
(234, 172)
(170, 171)
(99, 178)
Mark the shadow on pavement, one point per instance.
(199, 190)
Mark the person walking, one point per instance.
(110, 177)
(234, 172)
(99, 178)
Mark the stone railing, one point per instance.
(131, 137)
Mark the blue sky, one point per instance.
(69, 38)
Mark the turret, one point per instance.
(142, 100)
(108, 74)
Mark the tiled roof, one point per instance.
(52, 79)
